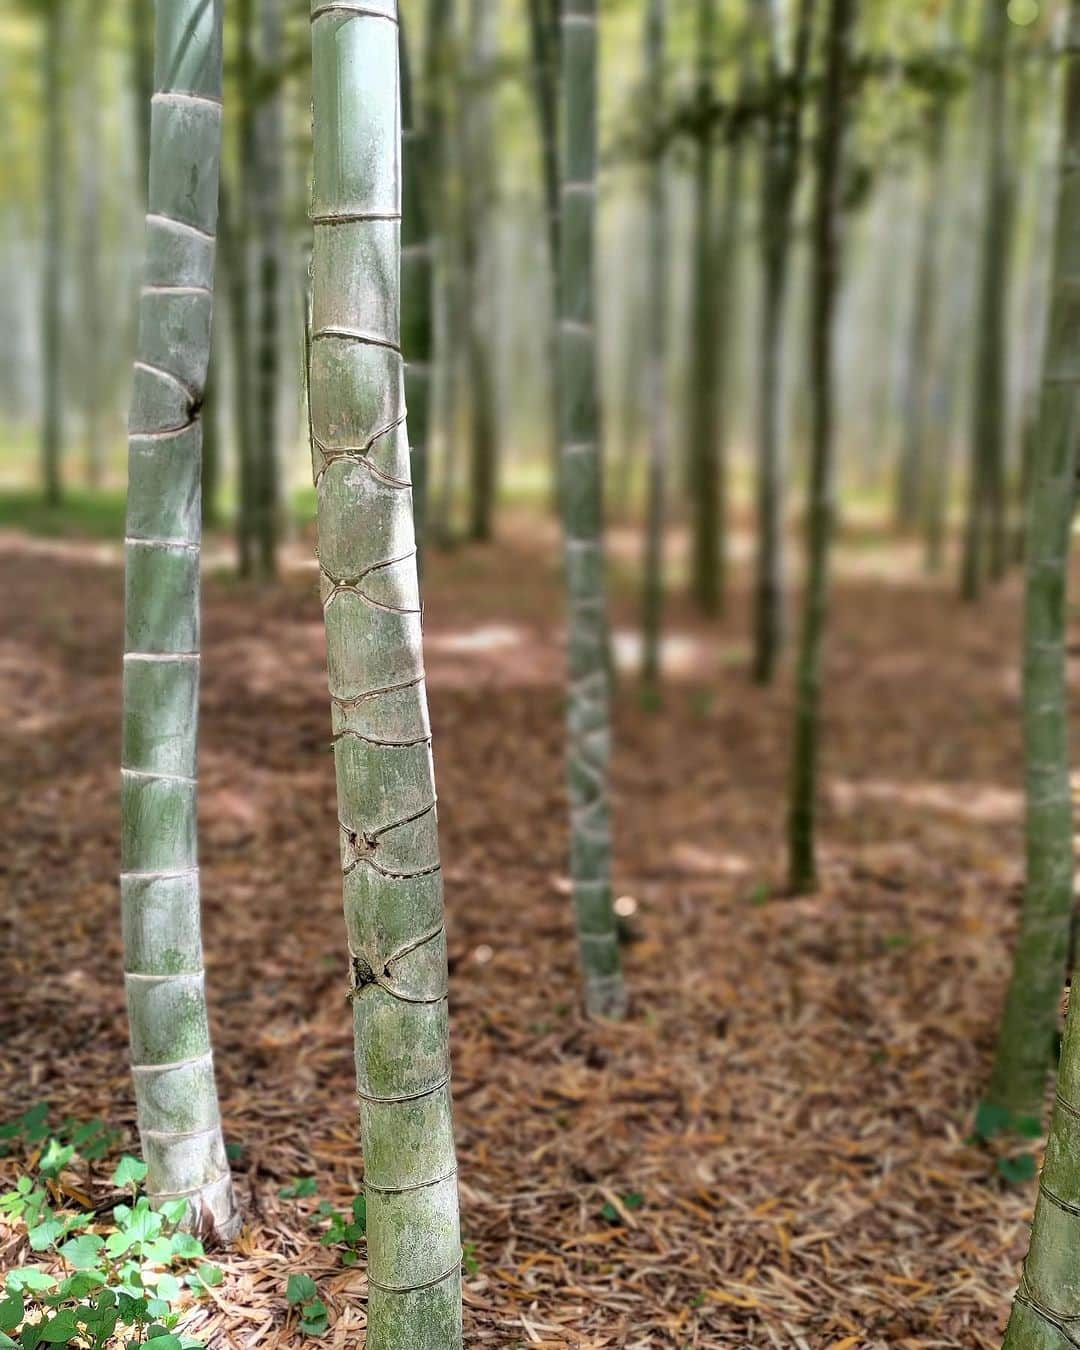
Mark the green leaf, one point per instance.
(29, 1277)
(1015, 1170)
(1028, 1127)
(359, 1209)
(167, 1287)
(160, 1250)
(299, 1188)
(314, 1318)
(82, 1283)
(43, 1235)
(61, 1329)
(34, 1123)
(166, 1342)
(210, 1275)
(11, 1312)
(633, 1200)
(6, 1343)
(186, 1246)
(174, 1210)
(130, 1171)
(991, 1120)
(55, 1158)
(299, 1288)
(83, 1252)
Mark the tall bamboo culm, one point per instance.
(589, 713)
(170, 1039)
(417, 293)
(826, 244)
(382, 739)
(1046, 1311)
(1025, 1042)
(652, 597)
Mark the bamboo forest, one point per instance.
(537, 674)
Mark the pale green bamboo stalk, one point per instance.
(90, 251)
(170, 1037)
(53, 156)
(916, 467)
(478, 178)
(652, 597)
(1029, 1023)
(142, 65)
(1046, 1312)
(382, 739)
(821, 510)
(267, 204)
(417, 294)
(544, 44)
(985, 540)
(780, 181)
(704, 478)
(588, 705)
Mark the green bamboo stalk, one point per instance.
(417, 294)
(1023, 1057)
(142, 65)
(544, 43)
(707, 520)
(1046, 1311)
(780, 180)
(170, 1039)
(53, 156)
(476, 202)
(985, 543)
(382, 741)
(269, 137)
(821, 509)
(236, 214)
(93, 347)
(917, 469)
(652, 598)
(589, 715)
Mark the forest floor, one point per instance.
(770, 1151)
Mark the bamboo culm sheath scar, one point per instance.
(589, 715)
(170, 1039)
(382, 745)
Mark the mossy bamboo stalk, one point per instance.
(1046, 1311)
(382, 740)
(170, 1039)
(589, 715)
